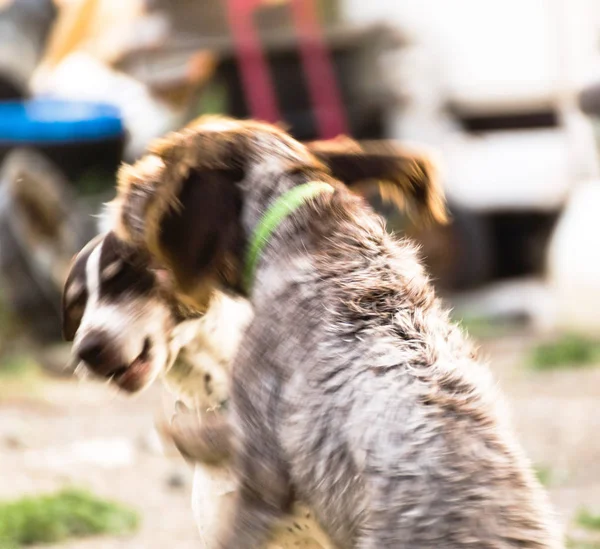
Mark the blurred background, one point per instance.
(505, 93)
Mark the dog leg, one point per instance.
(251, 523)
(207, 440)
(263, 496)
(264, 493)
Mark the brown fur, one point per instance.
(405, 176)
(150, 188)
(401, 173)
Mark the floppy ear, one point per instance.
(202, 239)
(182, 203)
(407, 177)
(191, 226)
(151, 187)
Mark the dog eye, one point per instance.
(74, 292)
(112, 270)
(122, 277)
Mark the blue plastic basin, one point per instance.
(47, 121)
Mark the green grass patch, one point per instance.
(543, 474)
(213, 99)
(477, 326)
(20, 377)
(588, 520)
(18, 366)
(5, 316)
(580, 544)
(481, 327)
(570, 351)
(70, 513)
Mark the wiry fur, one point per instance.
(351, 391)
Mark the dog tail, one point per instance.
(407, 177)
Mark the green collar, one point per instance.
(283, 206)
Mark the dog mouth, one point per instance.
(133, 377)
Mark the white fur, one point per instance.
(128, 323)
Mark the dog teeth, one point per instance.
(81, 371)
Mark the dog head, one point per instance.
(197, 195)
(121, 314)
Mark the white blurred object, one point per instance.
(497, 55)
(82, 77)
(529, 297)
(212, 499)
(498, 59)
(509, 170)
(152, 443)
(109, 453)
(574, 261)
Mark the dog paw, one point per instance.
(199, 440)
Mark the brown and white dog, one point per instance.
(351, 390)
(130, 325)
(127, 325)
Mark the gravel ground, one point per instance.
(55, 432)
(71, 433)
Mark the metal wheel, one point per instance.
(41, 227)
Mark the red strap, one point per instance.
(254, 70)
(318, 67)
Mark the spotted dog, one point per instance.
(351, 392)
(130, 325)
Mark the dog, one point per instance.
(129, 325)
(351, 391)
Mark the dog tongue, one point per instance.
(134, 377)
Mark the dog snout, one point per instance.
(98, 352)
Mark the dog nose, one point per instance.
(99, 354)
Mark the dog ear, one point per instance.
(190, 225)
(407, 177)
(202, 239)
(182, 202)
(151, 187)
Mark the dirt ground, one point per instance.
(56, 432)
